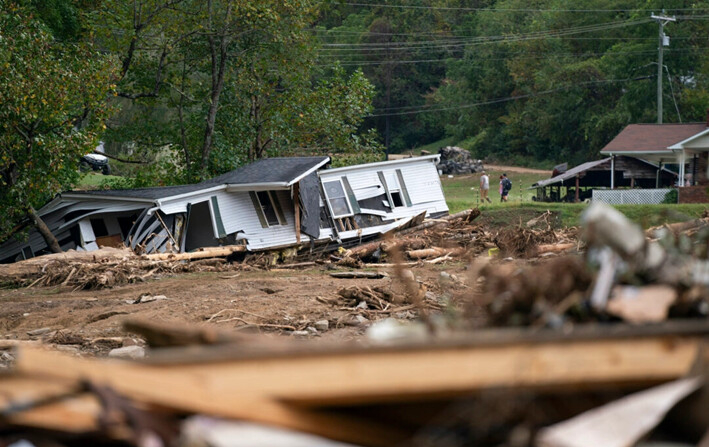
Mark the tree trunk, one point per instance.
(43, 229)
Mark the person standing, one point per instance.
(502, 198)
(484, 188)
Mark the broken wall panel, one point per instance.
(394, 190)
(309, 196)
(240, 216)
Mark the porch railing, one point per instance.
(630, 196)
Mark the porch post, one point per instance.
(612, 171)
(576, 199)
(681, 168)
(657, 179)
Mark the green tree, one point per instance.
(222, 82)
(53, 98)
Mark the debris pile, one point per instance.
(622, 276)
(456, 160)
(460, 237)
(559, 329)
(380, 395)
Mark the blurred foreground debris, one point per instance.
(379, 395)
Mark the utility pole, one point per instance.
(662, 20)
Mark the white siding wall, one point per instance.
(238, 213)
(421, 180)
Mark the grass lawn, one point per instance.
(91, 180)
(521, 208)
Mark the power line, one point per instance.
(511, 57)
(512, 98)
(503, 38)
(451, 8)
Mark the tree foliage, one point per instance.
(222, 82)
(52, 98)
(523, 81)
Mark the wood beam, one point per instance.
(296, 205)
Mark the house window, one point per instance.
(337, 198)
(267, 208)
(396, 199)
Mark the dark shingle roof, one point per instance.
(267, 170)
(643, 138)
(270, 170)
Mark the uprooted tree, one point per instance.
(53, 101)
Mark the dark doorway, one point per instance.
(200, 232)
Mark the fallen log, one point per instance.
(434, 252)
(202, 253)
(555, 248)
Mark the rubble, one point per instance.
(456, 160)
(563, 342)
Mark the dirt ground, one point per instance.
(272, 302)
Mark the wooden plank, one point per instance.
(65, 409)
(370, 377)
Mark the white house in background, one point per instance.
(271, 203)
(686, 145)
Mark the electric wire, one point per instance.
(527, 10)
(508, 99)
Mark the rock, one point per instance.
(71, 349)
(38, 332)
(107, 342)
(312, 330)
(391, 330)
(322, 325)
(300, 333)
(128, 352)
(147, 298)
(26, 314)
(362, 305)
(362, 320)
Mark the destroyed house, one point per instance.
(269, 204)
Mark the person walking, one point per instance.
(484, 188)
(502, 198)
(506, 185)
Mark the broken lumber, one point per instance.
(202, 253)
(368, 275)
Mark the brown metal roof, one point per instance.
(651, 138)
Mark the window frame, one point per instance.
(274, 204)
(344, 196)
